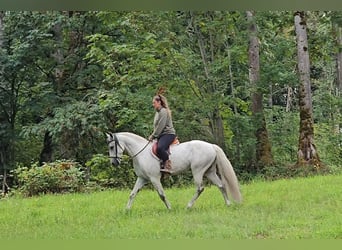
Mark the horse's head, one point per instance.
(115, 149)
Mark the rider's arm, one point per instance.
(159, 122)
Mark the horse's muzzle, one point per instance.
(115, 162)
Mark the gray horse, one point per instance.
(204, 159)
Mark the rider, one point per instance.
(164, 131)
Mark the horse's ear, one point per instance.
(109, 136)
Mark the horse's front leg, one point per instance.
(158, 186)
(137, 187)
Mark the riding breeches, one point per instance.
(163, 146)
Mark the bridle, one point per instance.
(116, 140)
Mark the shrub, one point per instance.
(107, 176)
(56, 177)
(123, 176)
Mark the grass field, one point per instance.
(305, 208)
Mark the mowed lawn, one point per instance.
(303, 208)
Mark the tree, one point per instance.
(337, 26)
(339, 58)
(307, 152)
(18, 53)
(208, 45)
(69, 119)
(68, 76)
(1, 28)
(3, 150)
(263, 145)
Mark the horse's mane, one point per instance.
(135, 136)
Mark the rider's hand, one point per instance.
(150, 138)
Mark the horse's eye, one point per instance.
(111, 147)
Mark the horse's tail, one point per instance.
(228, 177)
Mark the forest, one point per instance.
(263, 85)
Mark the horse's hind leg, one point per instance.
(137, 187)
(198, 182)
(158, 186)
(212, 176)
(199, 190)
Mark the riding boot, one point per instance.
(166, 167)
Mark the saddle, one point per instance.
(155, 146)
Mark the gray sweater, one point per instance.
(162, 123)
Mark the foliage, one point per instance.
(69, 76)
(329, 142)
(105, 175)
(283, 129)
(55, 177)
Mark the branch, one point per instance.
(197, 93)
(226, 44)
(48, 74)
(200, 45)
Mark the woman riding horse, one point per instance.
(163, 131)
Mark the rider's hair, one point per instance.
(163, 102)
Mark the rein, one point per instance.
(141, 150)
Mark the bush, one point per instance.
(123, 176)
(56, 177)
(107, 176)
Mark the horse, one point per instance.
(203, 158)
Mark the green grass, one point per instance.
(304, 208)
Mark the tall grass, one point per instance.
(303, 208)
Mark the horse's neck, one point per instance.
(133, 143)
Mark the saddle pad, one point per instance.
(155, 145)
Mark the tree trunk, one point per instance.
(2, 162)
(58, 55)
(1, 29)
(216, 122)
(4, 178)
(339, 70)
(46, 153)
(231, 77)
(307, 152)
(339, 59)
(289, 99)
(218, 129)
(263, 145)
(58, 79)
(4, 183)
(5, 155)
(57, 76)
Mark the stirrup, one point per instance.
(166, 171)
(166, 167)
